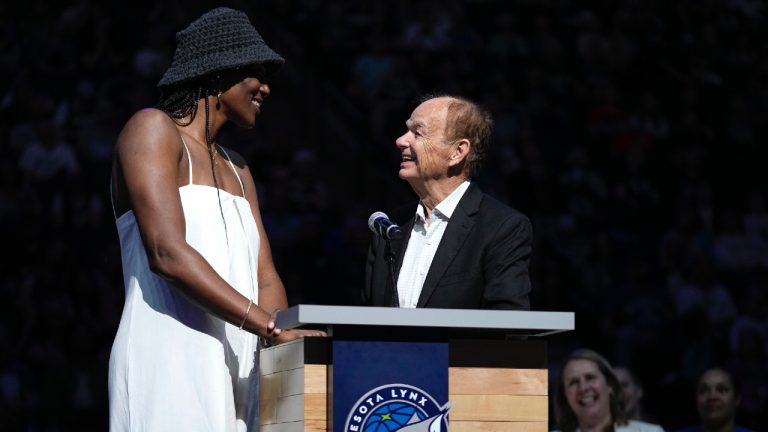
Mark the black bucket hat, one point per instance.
(220, 39)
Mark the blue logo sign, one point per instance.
(397, 407)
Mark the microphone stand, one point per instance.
(389, 256)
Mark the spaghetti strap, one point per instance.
(112, 196)
(189, 158)
(233, 168)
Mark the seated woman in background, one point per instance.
(588, 397)
(717, 398)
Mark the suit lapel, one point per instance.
(459, 226)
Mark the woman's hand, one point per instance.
(288, 335)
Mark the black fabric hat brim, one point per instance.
(217, 62)
(221, 39)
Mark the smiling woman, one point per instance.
(588, 397)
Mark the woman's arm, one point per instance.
(272, 295)
(271, 289)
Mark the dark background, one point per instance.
(632, 132)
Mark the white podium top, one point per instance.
(532, 323)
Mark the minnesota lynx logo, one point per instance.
(397, 407)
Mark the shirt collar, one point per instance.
(446, 207)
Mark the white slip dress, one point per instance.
(174, 366)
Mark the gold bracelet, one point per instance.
(245, 317)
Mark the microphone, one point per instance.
(380, 224)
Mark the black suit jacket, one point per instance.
(481, 262)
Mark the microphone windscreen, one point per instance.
(372, 220)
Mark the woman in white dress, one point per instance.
(588, 397)
(201, 287)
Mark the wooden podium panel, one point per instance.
(498, 385)
(294, 386)
(498, 399)
(497, 367)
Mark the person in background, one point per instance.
(588, 397)
(717, 398)
(632, 391)
(462, 249)
(201, 288)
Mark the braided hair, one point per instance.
(180, 102)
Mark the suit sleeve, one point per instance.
(508, 283)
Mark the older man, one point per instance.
(462, 249)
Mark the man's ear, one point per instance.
(460, 152)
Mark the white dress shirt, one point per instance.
(422, 245)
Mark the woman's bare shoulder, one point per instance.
(147, 127)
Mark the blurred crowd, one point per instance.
(629, 131)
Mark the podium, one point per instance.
(387, 369)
